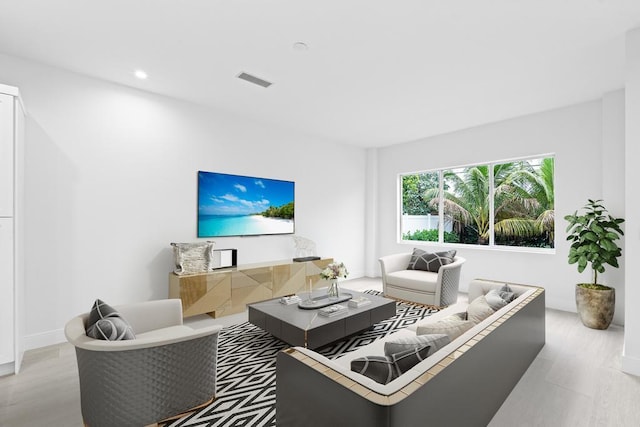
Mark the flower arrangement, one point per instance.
(334, 270)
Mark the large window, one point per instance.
(495, 204)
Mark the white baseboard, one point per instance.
(7, 369)
(630, 365)
(44, 339)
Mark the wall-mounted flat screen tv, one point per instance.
(235, 205)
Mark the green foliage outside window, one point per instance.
(431, 236)
(413, 189)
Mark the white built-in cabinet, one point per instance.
(11, 204)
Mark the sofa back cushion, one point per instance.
(478, 287)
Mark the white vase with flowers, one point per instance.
(331, 273)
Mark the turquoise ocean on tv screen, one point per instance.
(237, 225)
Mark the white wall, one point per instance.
(111, 179)
(613, 182)
(371, 214)
(631, 352)
(573, 134)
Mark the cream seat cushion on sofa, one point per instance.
(418, 280)
(453, 326)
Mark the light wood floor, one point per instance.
(574, 381)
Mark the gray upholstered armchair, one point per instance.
(424, 287)
(167, 370)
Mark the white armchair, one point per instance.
(168, 369)
(424, 287)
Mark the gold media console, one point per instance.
(229, 290)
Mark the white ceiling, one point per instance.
(377, 72)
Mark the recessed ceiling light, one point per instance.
(140, 74)
(300, 46)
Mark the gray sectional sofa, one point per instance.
(463, 383)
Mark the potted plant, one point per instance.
(593, 234)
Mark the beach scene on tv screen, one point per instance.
(234, 205)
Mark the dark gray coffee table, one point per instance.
(307, 328)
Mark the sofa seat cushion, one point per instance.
(418, 280)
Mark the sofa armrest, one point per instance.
(456, 264)
(449, 282)
(304, 385)
(76, 335)
(391, 263)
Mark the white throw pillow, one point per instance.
(452, 326)
(479, 309)
(495, 301)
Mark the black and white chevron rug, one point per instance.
(246, 375)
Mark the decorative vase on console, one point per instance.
(334, 290)
(332, 272)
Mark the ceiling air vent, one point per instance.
(253, 79)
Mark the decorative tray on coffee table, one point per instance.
(323, 301)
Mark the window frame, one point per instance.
(492, 246)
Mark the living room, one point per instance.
(111, 180)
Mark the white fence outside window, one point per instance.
(413, 223)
